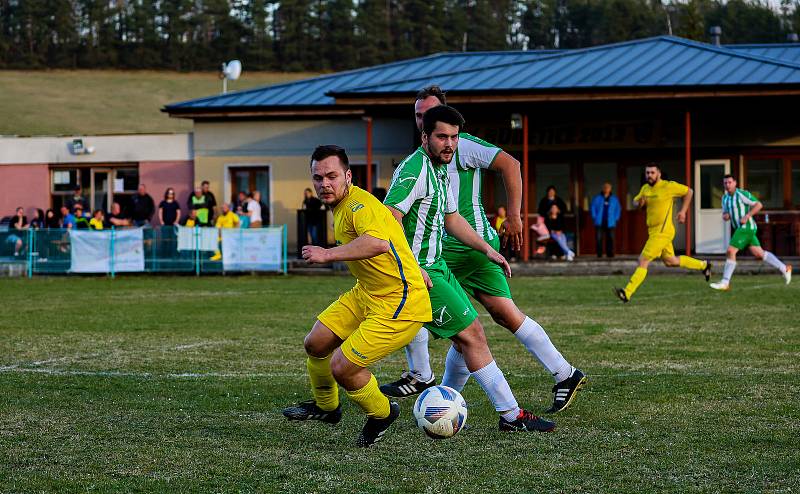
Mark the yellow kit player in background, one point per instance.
(658, 197)
(380, 314)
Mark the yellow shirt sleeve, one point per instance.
(640, 194)
(678, 190)
(365, 220)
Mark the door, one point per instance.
(100, 190)
(248, 180)
(711, 233)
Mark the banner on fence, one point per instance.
(207, 238)
(256, 249)
(91, 251)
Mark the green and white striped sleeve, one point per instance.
(747, 198)
(409, 183)
(474, 152)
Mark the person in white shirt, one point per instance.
(254, 209)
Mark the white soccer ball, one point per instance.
(440, 411)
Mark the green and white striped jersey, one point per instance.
(738, 205)
(473, 156)
(420, 191)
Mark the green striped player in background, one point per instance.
(477, 274)
(739, 206)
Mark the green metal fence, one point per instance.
(165, 249)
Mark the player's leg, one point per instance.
(670, 260)
(334, 325)
(637, 278)
(568, 379)
(373, 340)
(419, 375)
(770, 258)
(727, 269)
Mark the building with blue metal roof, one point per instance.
(573, 118)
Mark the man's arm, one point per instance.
(508, 167)
(687, 200)
(754, 209)
(363, 247)
(398, 215)
(457, 226)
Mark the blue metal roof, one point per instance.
(664, 61)
(313, 92)
(788, 52)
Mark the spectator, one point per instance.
(254, 209)
(77, 198)
(38, 219)
(191, 219)
(143, 207)
(605, 211)
(117, 218)
(98, 220)
(18, 224)
(548, 200)
(81, 221)
(499, 219)
(199, 202)
(51, 220)
(168, 210)
(67, 218)
(555, 223)
(240, 204)
(314, 216)
(210, 200)
(227, 219)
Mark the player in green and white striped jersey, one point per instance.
(739, 206)
(420, 199)
(480, 277)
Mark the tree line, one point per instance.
(322, 35)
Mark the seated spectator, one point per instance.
(51, 220)
(81, 221)
(228, 219)
(191, 219)
(168, 210)
(555, 223)
(18, 224)
(143, 207)
(67, 218)
(117, 218)
(98, 220)
(38, 219)
(254, 209)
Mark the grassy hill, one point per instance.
(59, 102)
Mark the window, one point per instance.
(127, 180)
(796, 183)
(64, 180)
(557, 175)
(765, 181)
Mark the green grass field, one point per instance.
(171, 384)
(58, 102)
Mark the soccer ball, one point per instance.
(440, 411)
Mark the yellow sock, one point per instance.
(692, 263)
(637, 278)
(323, 385)
(371, 400)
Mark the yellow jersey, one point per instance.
(392, 282)
(659, 200)
(95, 224)
(228, 220)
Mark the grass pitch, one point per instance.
(177, 384)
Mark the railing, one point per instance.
(165, 249)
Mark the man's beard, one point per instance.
(651, 182)
(436, 158)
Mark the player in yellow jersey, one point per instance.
(380, 314)
(658, 196)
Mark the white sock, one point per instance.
(773, 261)
(456, 373)
(532, 335)
(419, 360)
(496, 387)
(727, 271)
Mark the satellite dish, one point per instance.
(230, 71)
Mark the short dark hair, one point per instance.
(652, 164)
(441, 113)
(729, 176)
(434, 91)
(550, 187)
(204, 182)
(328, 150)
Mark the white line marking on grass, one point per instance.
(149, 375)
(201, 344)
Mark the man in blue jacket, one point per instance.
(605, 214)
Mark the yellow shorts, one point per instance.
(368, 337)
(658, 246)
